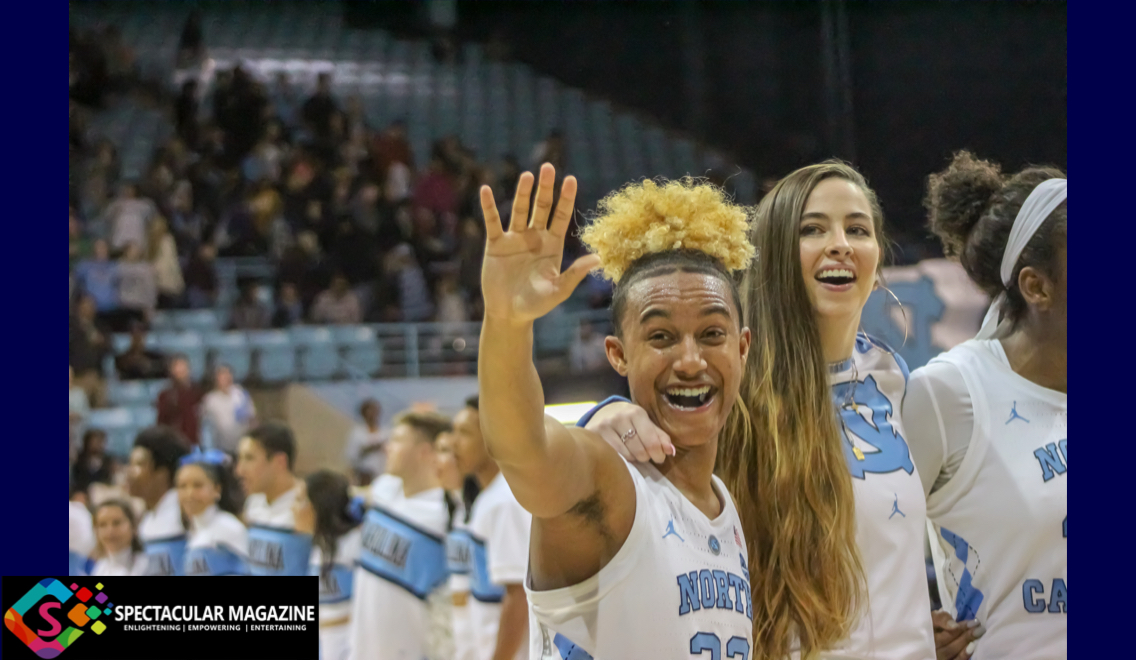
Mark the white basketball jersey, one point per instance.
(498, 536)
(1002, 519)
(335, 593)
(679, 587)
(401, 565)
(163, 536)
(81, 539)
(891, 511)
(218, 544)
(459, 558)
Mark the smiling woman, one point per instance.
(613, 544)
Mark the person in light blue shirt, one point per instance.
(98, 278)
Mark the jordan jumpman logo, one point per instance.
(671, 530)
(1014, 414)
(895, 508)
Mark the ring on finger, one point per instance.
(627, 436)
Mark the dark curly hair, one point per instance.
(972, 208)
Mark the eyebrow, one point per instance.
(706, 311)
(817, 215)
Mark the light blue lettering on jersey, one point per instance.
(165, 556)
(480, 586)
(877, 431)
(459, 552)
(335, 587)
(1053, 458)
(214, 560)
(278, 551)
(706, 589)
(402, 553)
(1033, 597)
(969, 598)
(78, 564)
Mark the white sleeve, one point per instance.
(508, 543)
(80, 530)
(939, 420)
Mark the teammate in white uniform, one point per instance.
(988, 419)
(400, 608)
(461, 492)
(496, 541)
(625, 562)
(150, 475)
(827, 215)
(218, 541)
(325, 509)
(80, 539)
(119, 550)
(264, 465)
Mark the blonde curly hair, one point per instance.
(648, 217)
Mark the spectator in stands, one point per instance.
(587, 352)
(365, 446)
(93, 465)
(167, 270)
(80, 245)
(137, 362)
(185, 114)
(471, 250)
(98, 277)
(201, 278)
(179, 404)
(191, 45)
(127, 217)
(391, 146)
(228, 410)
(99, 176)
(550, 150)
(137, 283)
(285, 102)
(338, 305)
(289, 309)
(88, 345)
(435, 188)
(79, 408)
(319, 108)
(248, 312)
(452, 306)
(305, 266)
(188, 226)
(402, 294)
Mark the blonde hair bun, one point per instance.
(648, 217)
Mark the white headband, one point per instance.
(1046, 197)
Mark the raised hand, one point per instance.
(520, 277)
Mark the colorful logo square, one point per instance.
(49, 598)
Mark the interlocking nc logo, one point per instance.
(52, 596)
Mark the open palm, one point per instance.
(520, 277)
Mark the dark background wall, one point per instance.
(756, 79)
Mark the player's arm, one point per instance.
(514, 623)
(550, 468)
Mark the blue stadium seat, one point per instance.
(144, 416)
(362, 353)
(231, 348)
(186, 343)
(120, 427)
(128, 393)
(199, 320)
(276, 356)
(319, 357)
(155, 387)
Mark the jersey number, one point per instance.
(737, 647)
(890, 449)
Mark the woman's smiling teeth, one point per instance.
(836, 276)
(688, 398)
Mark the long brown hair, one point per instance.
(781, 453)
